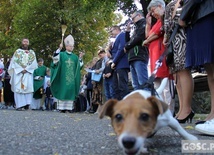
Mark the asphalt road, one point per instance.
(53, 133)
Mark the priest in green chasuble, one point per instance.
(65, 75)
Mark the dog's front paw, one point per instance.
(191, 137)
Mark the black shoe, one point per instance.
(62, 111)
(200, 122)
(26, 107)
(88, 111)
(20, 109)
(188, 118)
(71, 111)
(91, 111)
(41, 109)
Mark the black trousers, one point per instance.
(120, 83)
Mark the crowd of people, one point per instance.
(29, 84)
(125, 60)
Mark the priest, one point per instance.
(22, 66)
(65, 76)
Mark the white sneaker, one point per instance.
(206, 128)
(96, 112)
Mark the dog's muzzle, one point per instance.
(130, 145)
(128, 142)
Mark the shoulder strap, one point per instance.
(170, 40)
(149, 84)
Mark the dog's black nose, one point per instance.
(128, 142)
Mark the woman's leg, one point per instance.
(186, 88)
(210, 77)
(178, 88)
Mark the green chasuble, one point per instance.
(38, 81)
(65, 77)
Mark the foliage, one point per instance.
(37, 21)
(201, 102)
(41, 20)
(8, 10)
(126, 6)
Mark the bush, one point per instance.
(201, 102)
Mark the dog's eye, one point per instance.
(118, 117)
(144, 117)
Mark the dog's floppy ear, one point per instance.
(107, 108)
(162, 107)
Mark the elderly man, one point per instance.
(138, 55)
(21, 70)
(65, 75)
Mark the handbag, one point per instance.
(96, 77)
(170, 55)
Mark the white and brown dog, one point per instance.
(138, 116)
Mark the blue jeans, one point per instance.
(120, 83)
(108, 86)
(139, 73)
(49, 103)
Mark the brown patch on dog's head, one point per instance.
(135, 114)
(162, 107)
(107, 108)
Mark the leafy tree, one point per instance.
(38, 21)
(128, 6)
(7, 12)
(41, 20)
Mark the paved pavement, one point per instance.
(53, 133)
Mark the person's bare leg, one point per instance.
(178, 88)
(187, 88)
(210, 78)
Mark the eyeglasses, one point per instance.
(134, 17)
